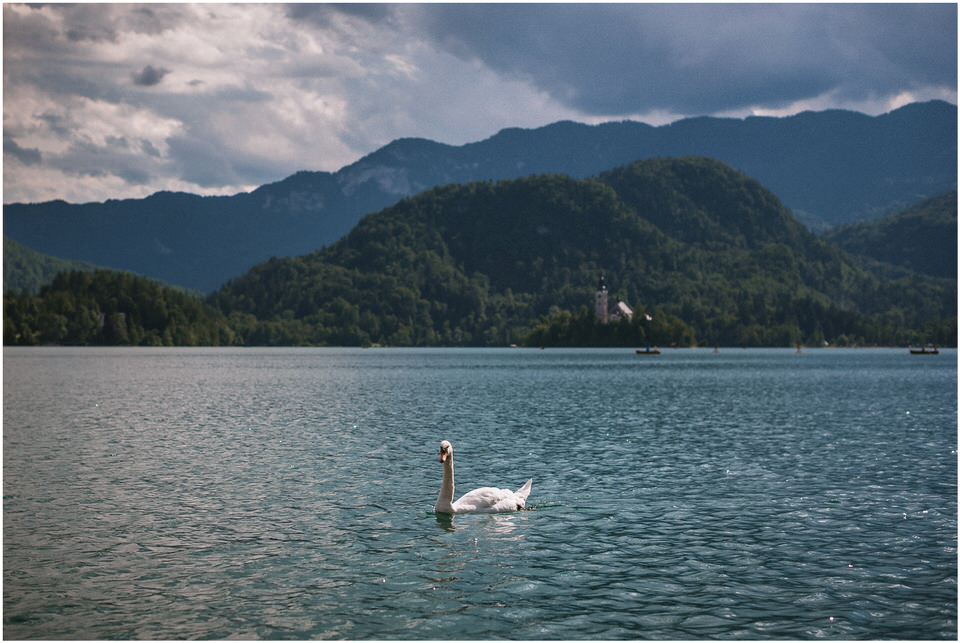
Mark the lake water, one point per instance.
(288, 494)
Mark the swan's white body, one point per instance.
(482, 500)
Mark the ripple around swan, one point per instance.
(282, 494)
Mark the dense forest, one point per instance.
(922, 238)
(484, 263)
(112, 309)
(708, 253)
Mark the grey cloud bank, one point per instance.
(104, 101)
(702, 59)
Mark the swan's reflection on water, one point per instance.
(463, 545)
(504, 525)
(490, 524)
(445, 521)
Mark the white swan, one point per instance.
(482, 500)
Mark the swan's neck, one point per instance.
(445, 499)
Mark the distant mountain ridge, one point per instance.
(713, 254)
(830, 168)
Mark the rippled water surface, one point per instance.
(205, 493)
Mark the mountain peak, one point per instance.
(940, 109)
(302, 180)
(402, 150)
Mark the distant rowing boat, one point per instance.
(925, 350)
(648, 351)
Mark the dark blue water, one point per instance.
(168, 494)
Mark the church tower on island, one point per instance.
(601, 309)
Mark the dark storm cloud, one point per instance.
(99, 23)
(149, 76)
(30, 31)
(321, 14)
(691, 59)
(116, 158)
(152, 19)
(27, 156)
(201, 161)
(89, 26)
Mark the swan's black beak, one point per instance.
(444, 454)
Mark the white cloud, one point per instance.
(238, 95)
(873, 105)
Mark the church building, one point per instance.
(602, 307)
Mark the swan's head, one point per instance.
(446, 451)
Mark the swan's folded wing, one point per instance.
(487, 500)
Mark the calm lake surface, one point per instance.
(248, 493)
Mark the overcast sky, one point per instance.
(111, 101)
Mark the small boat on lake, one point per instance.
(648, 351)
(925, 350)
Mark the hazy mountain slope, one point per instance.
(828, 167)
(922, 238)
(707, 247)
(27, 270)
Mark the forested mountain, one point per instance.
(922, 238)
(27, 270)
(715, 258)
(829, 167)
(111, 308)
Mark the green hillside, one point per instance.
(27, 270)
(922, 238)
(111, 308)
(713, 255)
